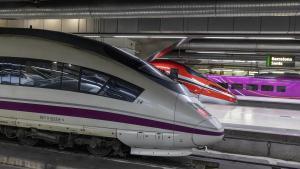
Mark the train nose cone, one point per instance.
(212, 123)
(213, 132)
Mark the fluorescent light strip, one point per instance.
(139, 36)
(222, 52)
(207, 52)
(224, 70)
(229, 61)
(240, 71)
(92, 36)
(151, 36)
(251, 38)
(239, 61)
(241, 53)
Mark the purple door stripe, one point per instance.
(100, 115)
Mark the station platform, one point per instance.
(258, 131)
(268, 99)
(257, 119)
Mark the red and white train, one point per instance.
(208, 90)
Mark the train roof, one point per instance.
(100, 48)
(75, 41)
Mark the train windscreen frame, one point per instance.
(145, 68)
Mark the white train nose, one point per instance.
(211, 123)
(213, 132)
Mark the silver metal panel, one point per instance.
(172, 24)
(90, 25)
(292, 24)
(3, 23)
(70, 25)
(220, 24)
(15, 23)
(297, 24)
(159, 152)
(98, 25)
(245, 24)
(147, 139)
(195, 24)
(127, 25)
(52, 24)
(35, 23)
(275, 24)
(110, 25)
(183, 140)
(82, 25)
(151, 24)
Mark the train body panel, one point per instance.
(75, 57)
(56, 118)
(64, 83)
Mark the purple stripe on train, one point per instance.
(267, 86)
(100, 115)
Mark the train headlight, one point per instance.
(200, 110)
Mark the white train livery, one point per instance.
(70, 90)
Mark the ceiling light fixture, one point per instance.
(250, 38)
(207, 52)
(92, 36)
(239, 61)
(221, 52)
(151, 36)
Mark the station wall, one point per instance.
(267, 24)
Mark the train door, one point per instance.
(155, 126)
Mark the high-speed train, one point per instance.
(69, 90)
(208, 90)
(283, 86)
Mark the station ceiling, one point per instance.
(278, 19)
(148, 9)
(167, 16)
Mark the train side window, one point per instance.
(120, 89)
(56, 75)
(92, 81)
(10, 71)
(40, 73)
(70, 77)
(252, 87)
(267, 88)
(225, 85)
(237, 86)
(281, 88)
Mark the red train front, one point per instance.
(196, 82)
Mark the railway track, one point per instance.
(211, 158)
(45, 156)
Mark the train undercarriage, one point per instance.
(98, 146)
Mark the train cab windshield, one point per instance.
(145, 68)
(193, 72)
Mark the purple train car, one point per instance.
(266, 85)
